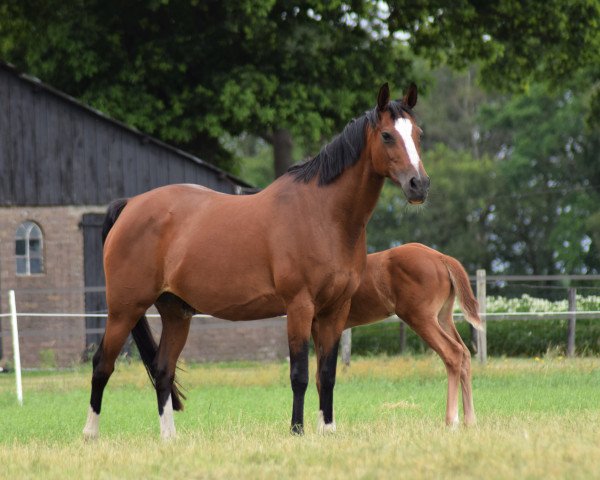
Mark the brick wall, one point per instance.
(211, 339)
(61, 341)
(45, 341)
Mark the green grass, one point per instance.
(537, 418)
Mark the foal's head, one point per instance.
(395, 144)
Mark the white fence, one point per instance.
(481, 340)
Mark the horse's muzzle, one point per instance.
(416, 189)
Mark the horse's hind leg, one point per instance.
(451, 352)
(445, 319)
(118, 327)
(176, 317)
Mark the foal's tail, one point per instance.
(464, 292)
(141, 333)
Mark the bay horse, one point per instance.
(419, 284)
(297, 247)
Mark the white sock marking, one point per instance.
(324, 428)
(167, 423)
(90, 431)
(404, 127)
(454, 423)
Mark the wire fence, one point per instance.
(59, 327)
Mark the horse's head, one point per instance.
(395, 144)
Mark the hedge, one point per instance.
(514, 338)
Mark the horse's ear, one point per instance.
(383, 97)
(410, 99)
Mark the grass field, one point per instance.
(538, 418)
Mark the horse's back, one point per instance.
(206, 247)
(400, 280)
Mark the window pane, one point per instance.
(21, 231)
(21, 266)
(20, 247)
(35, 246)
(35, 232)
(36, 265)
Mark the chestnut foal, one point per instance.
(419, 284)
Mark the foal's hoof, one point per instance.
(324, 428)
(470, 422)
(297, 429)
(452, 425)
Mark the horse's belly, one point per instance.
(230, 295)
(264, 307)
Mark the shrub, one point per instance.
(533, 337)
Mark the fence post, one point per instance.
(346, 346)
(402, 337)
(15, 341)
(572, 319)
(481, 299)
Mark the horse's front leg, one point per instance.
(330, 327)
(300, 315)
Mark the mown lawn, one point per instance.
(538, 418)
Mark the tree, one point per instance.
(516, 41)
(192, 72)
(457, 216)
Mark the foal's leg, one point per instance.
(330, 328)
(300, 317)
(445, 319)
(176, 317)
(118, 327)
(451, 352)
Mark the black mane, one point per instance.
(344, 150)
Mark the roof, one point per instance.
(146, 138)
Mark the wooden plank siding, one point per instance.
(56, 151)
(5, 152)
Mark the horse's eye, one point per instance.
(387, 138)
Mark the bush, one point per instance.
(513, 338)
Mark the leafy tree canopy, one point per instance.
(517, 41)
(191, 71)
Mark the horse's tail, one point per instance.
(142, 335)
(463, 290)
(114, 210)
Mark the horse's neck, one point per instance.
(353, 196)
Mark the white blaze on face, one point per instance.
(404, 127)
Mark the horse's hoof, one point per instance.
(324, 428)
(89, 435)
(297, 429)
(168, 436)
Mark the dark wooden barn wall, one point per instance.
(54, 152)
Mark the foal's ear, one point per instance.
(383, 97)
(410, 98)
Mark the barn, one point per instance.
(61, 163)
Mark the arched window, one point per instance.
(29, 249)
